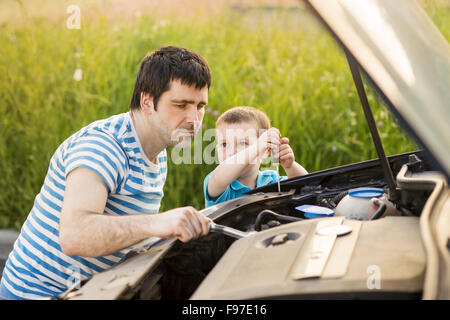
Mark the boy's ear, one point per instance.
(146, 103)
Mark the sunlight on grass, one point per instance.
(54, 80)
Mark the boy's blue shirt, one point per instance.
(236, 189)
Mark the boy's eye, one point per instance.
(223, 144)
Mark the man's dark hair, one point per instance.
(164, 65)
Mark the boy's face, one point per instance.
(232, 138)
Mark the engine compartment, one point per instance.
(293, 270)
(380, 258)
(260, 266)
(219, 267)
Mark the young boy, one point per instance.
(244, 138)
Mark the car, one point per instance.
(367, 230)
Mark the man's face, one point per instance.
(180, 112)
(232, 138)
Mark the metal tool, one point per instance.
(228, 231)
(276, 163)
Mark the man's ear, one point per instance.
(146, 103)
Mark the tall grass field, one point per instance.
(55, 80)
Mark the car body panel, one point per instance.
(244, 272)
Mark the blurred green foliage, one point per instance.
(282, 62)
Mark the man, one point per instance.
(104, 180)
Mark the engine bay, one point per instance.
(273, 262)
(287, 254)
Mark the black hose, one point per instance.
(338, 198)
(269, 213)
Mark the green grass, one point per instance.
(292, 70)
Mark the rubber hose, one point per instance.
(381, 208)
(269, 213)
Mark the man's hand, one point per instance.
(186, 223)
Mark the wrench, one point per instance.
(229, 231)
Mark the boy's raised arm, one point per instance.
(231, 168)
(287, 160)
(295, 170)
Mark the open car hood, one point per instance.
(405, 57)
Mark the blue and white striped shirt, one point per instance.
(37, 267)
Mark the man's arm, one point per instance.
(85, 230)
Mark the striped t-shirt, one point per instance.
(37, 267)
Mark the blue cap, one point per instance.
(365, 192)
(312, 212)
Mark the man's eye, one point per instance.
(181, 106)
(200, 107)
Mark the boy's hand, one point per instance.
(287, 157)
(269, 141)
(287, 160)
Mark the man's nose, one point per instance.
(193, 115)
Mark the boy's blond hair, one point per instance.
(244, 114)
